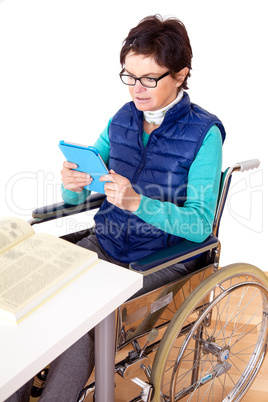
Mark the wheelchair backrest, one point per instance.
(222, 196)
(225, 185)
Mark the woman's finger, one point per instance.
(69, 165)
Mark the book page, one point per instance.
(36, 267)
(13, 230)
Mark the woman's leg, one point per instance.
(166, 276)
(23, 394)
(68, 374)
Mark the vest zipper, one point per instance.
(135, 178)
(136, 175)
(138, 171)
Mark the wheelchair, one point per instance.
(193, 339)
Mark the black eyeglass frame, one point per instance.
(139, 79)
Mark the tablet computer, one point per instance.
(88, 160)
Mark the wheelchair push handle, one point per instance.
(248, 165)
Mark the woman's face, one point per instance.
(151, 99)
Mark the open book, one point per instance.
(34, 266)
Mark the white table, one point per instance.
(28, 347)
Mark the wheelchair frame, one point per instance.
(184, 311)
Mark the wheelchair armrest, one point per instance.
(59, 210)
(172, 255)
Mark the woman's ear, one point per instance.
(181, 75)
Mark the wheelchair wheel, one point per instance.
(216, 342)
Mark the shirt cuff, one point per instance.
(73, 198)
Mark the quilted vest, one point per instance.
(159, 171)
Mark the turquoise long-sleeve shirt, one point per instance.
(194, 220)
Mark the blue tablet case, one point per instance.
(88, 160)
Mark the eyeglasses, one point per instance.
(147, 82)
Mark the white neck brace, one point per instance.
(157, 116)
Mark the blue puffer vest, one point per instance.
(159, 171)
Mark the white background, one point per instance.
(59, 65)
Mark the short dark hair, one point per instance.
(166, 40)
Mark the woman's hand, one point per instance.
(73, 180)
(119, 192)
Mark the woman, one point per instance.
(164, 159)
(164, 155)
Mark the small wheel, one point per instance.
(216, 342)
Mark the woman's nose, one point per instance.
(139, 87)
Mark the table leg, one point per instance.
(105, 359)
